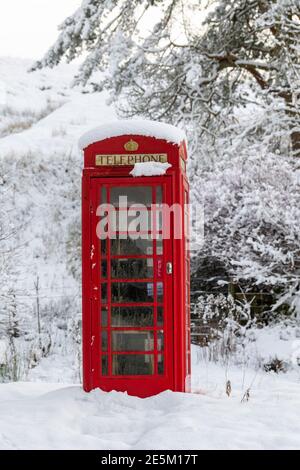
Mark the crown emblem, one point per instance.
(131, 145)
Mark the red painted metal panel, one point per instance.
(86, 300)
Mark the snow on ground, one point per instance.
(57, 416)
(279, 341)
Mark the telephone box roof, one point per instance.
(158, 130)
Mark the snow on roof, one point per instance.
(159, 130)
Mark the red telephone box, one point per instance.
(135, 283)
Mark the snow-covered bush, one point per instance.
(252, 221)
(221, 325)
(229, 334)
(231, 78)
(29, 320)
(73, 248)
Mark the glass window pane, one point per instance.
(160, 316)
(160, 340)
(132, 292)
(160, 364)
(133, 364)
(103, 195)
(128, 246)
(103, 244)
(132, 268)
(104, 340)
(104, 269)
(156, 219)
(104, 316)
(160, 292)
(104, 363)
(133, 220)
(159, 246)
(132, 341)
(132, 316)
(103, 293)
(134, 194)
(158, 195)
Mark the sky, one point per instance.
(29, 27)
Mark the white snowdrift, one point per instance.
(159, 130)
(150, 169)
(55, 416)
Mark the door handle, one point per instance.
(169, 267)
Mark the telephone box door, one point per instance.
(132, 286)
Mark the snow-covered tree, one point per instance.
(9, 324)
(185, 61)
(229, 72)
(252, 222)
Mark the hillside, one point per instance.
(41, 120)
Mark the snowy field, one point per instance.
(41, 121)
(57, 416)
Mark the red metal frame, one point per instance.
(176, 300)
